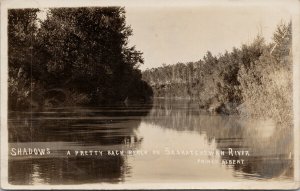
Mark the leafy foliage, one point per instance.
(82, 52)
(22, 36)
(253, 80)
(267, 83)
(212, 80)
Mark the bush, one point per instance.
(266, 85)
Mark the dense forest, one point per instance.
(81, 56)
(255, 79)
(74, 56)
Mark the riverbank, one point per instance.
(253, 80)
(50, 65)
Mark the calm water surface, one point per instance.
(165, 141)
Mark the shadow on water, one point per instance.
(144, 126)
(103, 127)
(67, 170)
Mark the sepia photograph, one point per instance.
(150, 95)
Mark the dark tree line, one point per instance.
(253, 79)
(74, 56)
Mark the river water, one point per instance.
(161, 142)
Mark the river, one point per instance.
(164, 141)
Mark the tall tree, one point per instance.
(21, 42)
(89, 51)
(82, 52)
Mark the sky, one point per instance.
(168, 34)
(183, 34)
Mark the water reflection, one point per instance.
(67, 170)
(107, 125)
(82, 128)
(270, 145)
(172, 124)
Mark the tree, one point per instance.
(21, 42)
(83, 52)
(89, 51)
(267, 83)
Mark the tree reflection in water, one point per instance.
(116, 127)
(105, 126)
(270, 145)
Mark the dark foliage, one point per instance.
(81, 53)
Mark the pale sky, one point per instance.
(182, 34)
(171, 34)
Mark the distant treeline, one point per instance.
(255, 79)
(74, 56)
